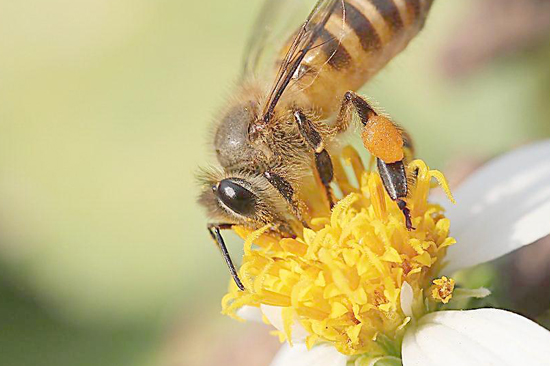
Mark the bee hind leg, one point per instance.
(387, 142)
(323, 162)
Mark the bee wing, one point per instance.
(276, 22)
(305, 40)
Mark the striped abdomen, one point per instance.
(357, 42)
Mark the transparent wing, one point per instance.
(305, 40)
(274, 26)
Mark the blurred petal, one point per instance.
(482, 337)
(275, 317)
(501, 207)
(250, 313)
(298, 355)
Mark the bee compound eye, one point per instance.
(236, 197)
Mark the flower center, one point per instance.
(342, 280)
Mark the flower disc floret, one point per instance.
(342, 280)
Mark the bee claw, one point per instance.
(407, 213)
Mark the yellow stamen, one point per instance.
(342, 281)
(442, 289)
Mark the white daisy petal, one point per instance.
(298, 355)
(275, 317)
(406, 299)
(250, 313)
(483, 337)
(501, 207)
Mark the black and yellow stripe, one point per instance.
(336, 54)
(361, 25)
(413, 6)
(389, 11)
(359, 38)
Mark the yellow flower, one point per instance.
(342, 280)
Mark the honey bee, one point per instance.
(274, 137)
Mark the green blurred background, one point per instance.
(104, 114)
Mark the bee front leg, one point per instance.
(214, 230)
(287, 191)
(387, 142)
(323, 162)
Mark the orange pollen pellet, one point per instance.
(383, 139)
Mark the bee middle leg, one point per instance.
(287, 191)
(323, 162)
(387, 142)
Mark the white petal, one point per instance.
(298, 355)
(406, 299)
(483, 337)
(275, 317)
(460, 294)
(250, 313)
(501, 207)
